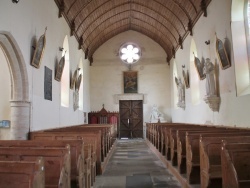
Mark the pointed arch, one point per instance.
(194, 77)
(20, 105)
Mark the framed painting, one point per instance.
(199, 67)
(130, 82)
(39, 49)
(59, 69)
(222, 54)
(186, 78)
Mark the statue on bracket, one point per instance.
(211, 97)
(156, 115)
(181, 93)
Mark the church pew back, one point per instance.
(22, 174)
(76, 152)
(56, 162)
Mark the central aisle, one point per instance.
(133, 165)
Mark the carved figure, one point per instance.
(156, 115)
(210, 82)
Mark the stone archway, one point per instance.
(20, 105)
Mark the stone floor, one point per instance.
(133, 165)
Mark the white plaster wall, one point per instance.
(233, 110)
(25, 21)
(106, 75)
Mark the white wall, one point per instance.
(25, 21)
(233, 110)
(106, 79)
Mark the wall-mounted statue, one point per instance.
(208, 70)
(211, 97)
(181, 93)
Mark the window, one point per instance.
(175, 92)
(241, 45)
(80, 65)
(65, 75)
(194, 77)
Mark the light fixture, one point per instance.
(130, 53)
(15, 1)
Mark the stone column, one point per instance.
(20, 120)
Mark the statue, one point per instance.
(181, 92)
(210, 82)
(156, 115)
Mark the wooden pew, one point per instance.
(56, 162)
(193, 152)
(22, 174)
(235, 166)
(180, 146)
(210, 158)
(87, 169)
(88, 136)
(76, 152)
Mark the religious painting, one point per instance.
(130, 83)
(47, 83)
(4, 124)
(199, 67)
(59, 69)
(73, 80)
(222, 54)
(39, 49)
(186, 78)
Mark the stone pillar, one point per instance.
(20, 120)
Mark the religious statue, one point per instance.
(210, 82)
(156, 115)
(181, 92)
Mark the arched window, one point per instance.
(5, 82)
(175, 92)
(65, 75)
(80, 65)
(241, 45)
(194, 77)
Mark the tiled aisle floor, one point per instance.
(133, 165)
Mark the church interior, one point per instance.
(147, 73)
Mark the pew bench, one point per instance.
(235, 167)
(56, 162)
(22, 174)
(193, 151)
(76, 152)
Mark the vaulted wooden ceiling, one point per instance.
(167, 22)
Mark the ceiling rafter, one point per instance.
(107, 12)
(168, 23)
(160, 42)
(108, 20)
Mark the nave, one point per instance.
(134, 165)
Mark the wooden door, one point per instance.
(131, 119)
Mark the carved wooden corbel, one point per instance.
(204, 7)
(86, 53)
(80, 43)
(61, 9)
(72, 28)
(190, 27)
(181, 42)
(173, 52)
